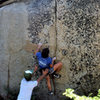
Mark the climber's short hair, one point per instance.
(45, 52)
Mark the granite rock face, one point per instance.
(70, 28)
(42, 23)
(78, 42)
(13, 35)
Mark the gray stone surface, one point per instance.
(41, 17)
(13, 35)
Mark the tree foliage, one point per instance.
(70, 93)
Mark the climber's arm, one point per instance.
(38, 48)
(51, 65)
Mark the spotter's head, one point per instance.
(28, 74)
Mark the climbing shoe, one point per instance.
(56, 75)
(50, 93)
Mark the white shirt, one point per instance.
(26, 88)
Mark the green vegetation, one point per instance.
(70, 93)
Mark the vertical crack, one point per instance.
(56, 25)
(8, 77)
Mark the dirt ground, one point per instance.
(1, 98)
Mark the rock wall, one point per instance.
(70, 28)
(13, 35)
(78, 42)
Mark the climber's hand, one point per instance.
(39, 45)
(54, 58)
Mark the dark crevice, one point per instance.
(56, 25)
(2, 1)
(8, 76)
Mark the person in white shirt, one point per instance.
(27, 85)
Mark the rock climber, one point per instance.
(46, 62)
